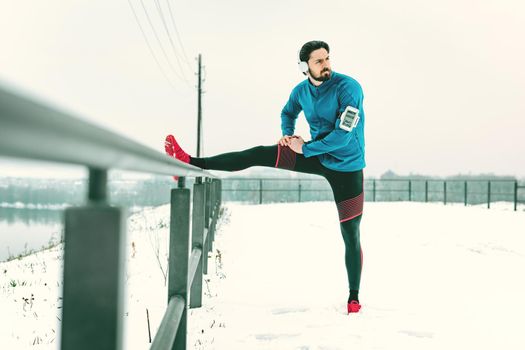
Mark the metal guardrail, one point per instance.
(34, 130)
(94, 253)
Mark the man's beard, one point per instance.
(322, 77)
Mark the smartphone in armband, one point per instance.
(349, 118)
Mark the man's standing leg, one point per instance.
(349, 197)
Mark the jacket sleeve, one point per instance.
(348, 95)
(289, 114)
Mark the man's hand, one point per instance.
(285, 140)
(296, 144)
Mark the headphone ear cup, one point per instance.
(303, 66)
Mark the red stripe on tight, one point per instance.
(278, 155)
(350, 208)
(285, 158)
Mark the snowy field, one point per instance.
(434, 277)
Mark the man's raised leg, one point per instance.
(274, 156)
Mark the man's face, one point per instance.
(319, 65)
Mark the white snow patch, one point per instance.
(434, 277)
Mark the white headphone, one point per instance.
(303, 66)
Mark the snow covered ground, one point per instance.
(434, 277)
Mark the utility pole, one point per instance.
(199, 112)
(182, 181)
(199, 107)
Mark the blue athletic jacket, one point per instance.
(336, 148)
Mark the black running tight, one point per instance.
(347, 188)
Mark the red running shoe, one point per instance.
(353, 306)
(174, 150)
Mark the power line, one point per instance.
(149, 46)
(159, 8)
(178, 35)
(160, 42)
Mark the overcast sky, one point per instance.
(444, 81)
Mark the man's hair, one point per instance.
(306, 50)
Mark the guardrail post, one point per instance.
(198, 242)
(515, 195)
(216, 206)
(409, 190)
(213, 209)
(179, 256)
(299, 191)
(206, 247)
(217, 194)
(466, 193)
(426, 191)
(220, 193)
(217, 201)
(94, 265)
(374, 190)
(207, 212)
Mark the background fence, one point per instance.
(468, 192)
(151, 192)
